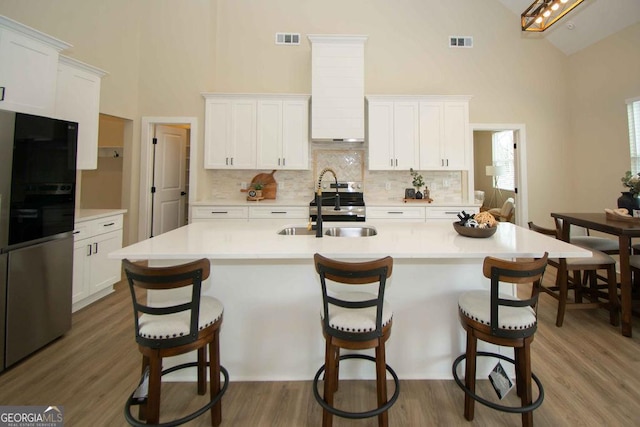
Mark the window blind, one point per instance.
(633, 111)
(503, 156)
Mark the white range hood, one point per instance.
(337, 87)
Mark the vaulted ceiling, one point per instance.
(590, 22)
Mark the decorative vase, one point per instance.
(418, 195)
(629, 201)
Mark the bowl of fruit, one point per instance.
(478, 225)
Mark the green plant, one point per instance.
(418, 180)
(632, 182)
(257, 186)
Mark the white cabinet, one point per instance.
(445, 143)
(229, 132)
(28, 68)
(78, 100)
(396, 213)
(214, 212)
(449, 213)
(298, 214)
(282, 133)
(393, 134)
(93, 272)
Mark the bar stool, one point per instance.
(502, 320)
(175, 328)
(355, 321)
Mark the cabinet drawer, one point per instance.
(449, 212)
(395, 212)
(82, 230)
(220, 212)
(105, 225)
(276, 212)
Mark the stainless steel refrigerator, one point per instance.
(37, 203)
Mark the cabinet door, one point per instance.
(295, 134)
(405, 135)
(243, 134)
(80, 282)
(381, 155)
(431, 135)
(217, 133)
(456, 135)
(28, 71)
(269, 134)
(104, 271)
(78, 100)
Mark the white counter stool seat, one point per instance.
(354, 321)
(502, 320)
(175, 328)
(580, 273)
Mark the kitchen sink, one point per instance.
(296, 231)
(350, 231)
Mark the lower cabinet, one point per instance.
(449, 213)
(214, 212)
(396, 213)
(93, 272)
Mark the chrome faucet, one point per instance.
(319, 199)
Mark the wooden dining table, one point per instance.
(625, 230)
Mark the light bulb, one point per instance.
(538, 19)
(546, 13)
(555, 6)
(563, 1)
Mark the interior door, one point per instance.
(169, 179)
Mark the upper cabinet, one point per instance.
(28, 69)
(253, 131)
(229, 132)
(445, 142)
(283, 133)
(393, 133)
(420, 132)
(78, 100)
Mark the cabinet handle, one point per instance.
(2, 88)
(391, 162)
(95, 248)
(278, 212)
(232, 161)
(108, 225)
(283, 161)
(447, 162)
(451, 212)
(219, 212)
(278, 161)
(395, 212)
(396, 162)
(88, 250)
(76, 232)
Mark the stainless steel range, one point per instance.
(352, 206)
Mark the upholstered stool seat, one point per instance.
(608, 246)
(357, 320)
(502, 320)
(172, 328)
(354, 320)
(474, 305)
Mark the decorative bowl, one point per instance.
(474, 232)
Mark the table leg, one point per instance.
(625, 285)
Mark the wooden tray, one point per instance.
(615, 217)
(425, 200)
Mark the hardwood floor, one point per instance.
(590, 372)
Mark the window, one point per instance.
(633, 111)
(502, 152)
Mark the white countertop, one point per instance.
(82, 215)
(298, 202)
(232, 239)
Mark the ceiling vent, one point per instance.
(287, 38)
(460, 41)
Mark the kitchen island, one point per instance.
(272, 296)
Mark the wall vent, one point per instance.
(460, 41)
(287, 38)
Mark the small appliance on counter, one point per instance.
(37, 204)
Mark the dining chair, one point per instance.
(582, 278)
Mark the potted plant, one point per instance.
(258, 186)
(418, 182)
(630, 199)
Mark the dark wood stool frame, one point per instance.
(520, 339)
(354, 273)
(154, 350)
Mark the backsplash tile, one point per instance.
(349, 162)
